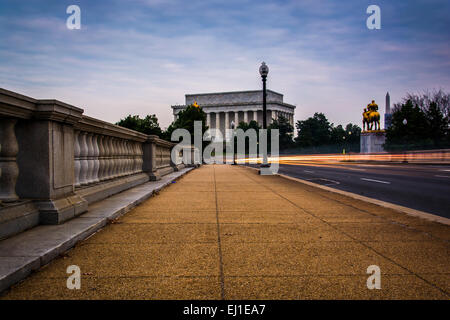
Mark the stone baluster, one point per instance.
(133, 157)
(77, 160)
(122, 157)
(140, 157)
(108, 162)
(118, 158)
(125, 157)
(112, 144)
(83, 158)
(90, 158)
(9, 171)
(129, 157)
(134, 164)
(115, 157)
(101, 158)
(96, 158)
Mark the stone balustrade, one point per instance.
(103, 151)
(55, 161)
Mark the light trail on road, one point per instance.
(433, 156)
(413, 185)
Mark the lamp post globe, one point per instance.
(263, 70)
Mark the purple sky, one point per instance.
(142, 56)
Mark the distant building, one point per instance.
(226, 107)
(387, 113)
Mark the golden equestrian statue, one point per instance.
(371, 116)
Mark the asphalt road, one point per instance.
(420, 187)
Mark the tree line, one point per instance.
(420, 121)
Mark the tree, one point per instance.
(148, 125)
(338, 134)
(424, 101)
(413, 133)
(251, 125)
(313, 131)
(353, 132)
(427, 122)
(185, 120)
(286, 131)
(438, 124)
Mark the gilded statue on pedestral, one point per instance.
(371, 116)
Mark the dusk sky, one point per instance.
(142, 56)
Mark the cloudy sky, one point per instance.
(141, 56)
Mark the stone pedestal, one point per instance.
(372, 141)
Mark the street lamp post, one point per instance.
(264, 71)
(233, 126)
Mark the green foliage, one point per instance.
(148, 125)
(313, 131)
(286, 131)
(426, 127)
(350, 134)
(251, 125)
(186, 120)
(317, 135)
(439, 98)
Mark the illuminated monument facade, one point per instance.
(225, 109)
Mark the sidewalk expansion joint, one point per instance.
(222, 284)
(351, 237)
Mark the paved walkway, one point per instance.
(224, 232)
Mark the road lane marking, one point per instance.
(373, 180)
(333, 182)
(445, 170)
(309, 171)
(441, 176)
(355, 169)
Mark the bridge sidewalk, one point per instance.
(224, 232)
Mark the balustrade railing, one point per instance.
(55, 161)
(99, 158)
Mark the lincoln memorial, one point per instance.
(224, 108)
